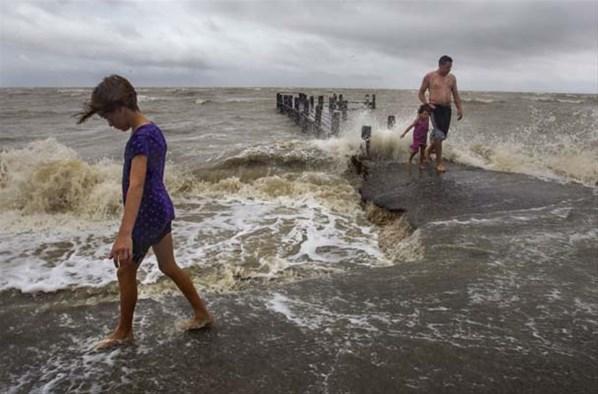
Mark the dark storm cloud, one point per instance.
(492, 31)
(526, 45)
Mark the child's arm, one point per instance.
(408, 128)
(123, 245)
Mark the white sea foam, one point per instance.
(47, 177)
(545, 145)
(142, 98)
(57, 228)
(229, 241)
(317, 317)
(385, 143)
(479, 100)
(559, 155)
(80, 368)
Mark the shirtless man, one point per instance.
(440, 85)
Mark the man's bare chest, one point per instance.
(440, 83)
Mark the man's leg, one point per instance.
(165, 254)
(428, 151)
(438, 148)
(441, 119)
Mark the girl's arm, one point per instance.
(408, 128)
(123, 245)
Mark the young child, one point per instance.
(420, 134)
(148, 210)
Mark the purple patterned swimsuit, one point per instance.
(156, 210)
(420, 135)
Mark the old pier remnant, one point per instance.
(312, 116)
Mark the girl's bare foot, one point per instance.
(197, 323)
(441, 168)
(113, 341)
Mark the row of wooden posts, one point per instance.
(312, 116)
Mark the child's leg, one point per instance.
(412, 156)
(422, 152)
(127, 284)
(165, 254)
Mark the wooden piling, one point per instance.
(296, 109)
(310, 116)
(305, 114)
(336, 122)
(318, 115)
(391, 122)
(366, 135)
(344, 108)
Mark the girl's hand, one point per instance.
(122, 249)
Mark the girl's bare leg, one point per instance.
(412, 156)
(127, 283)
(165, 254)
(422, 153)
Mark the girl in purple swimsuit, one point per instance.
(148, 210)
(420, 134)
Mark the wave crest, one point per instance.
(47, 177)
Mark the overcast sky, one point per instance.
(496, 45)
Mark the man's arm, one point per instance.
(422, 90)
(457, 100)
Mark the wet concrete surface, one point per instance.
(424, 195)
(376, 331)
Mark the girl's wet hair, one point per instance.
(113, 92)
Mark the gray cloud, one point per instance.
(499, 45)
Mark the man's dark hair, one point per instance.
(444, 59)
